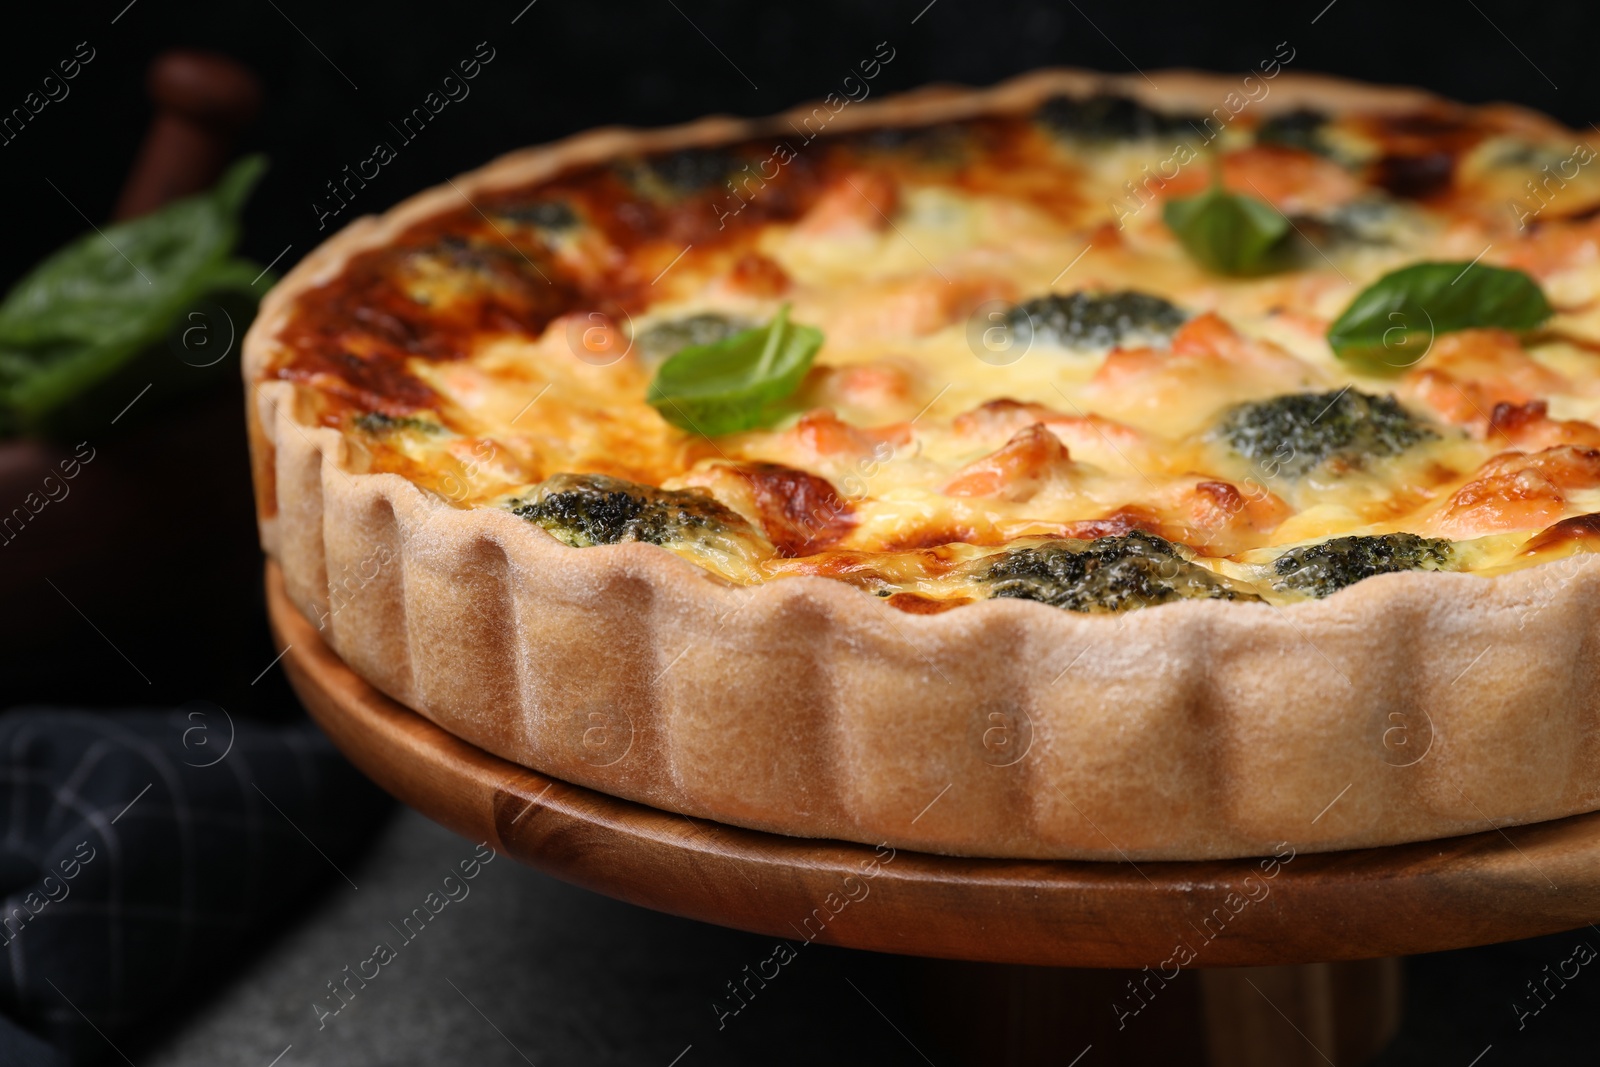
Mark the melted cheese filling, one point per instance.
(937, 425)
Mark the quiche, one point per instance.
(1068, 469)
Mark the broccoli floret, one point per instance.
(467, 253)
(1320, 569)
(1300, 128)
(377, 423)
(685, 172)
(1109, 117)
(553, 215)
(1294, 434)
(583, 510)
(691, 169)
(1108, 574)
(1370, 220)
(478, 265)
(666, 338)
(1365, 222)
(946, 142)
(1095, 320)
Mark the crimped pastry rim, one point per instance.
(1193, 731)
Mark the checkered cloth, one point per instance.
(142, 852)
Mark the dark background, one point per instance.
(175, 614)
(568, 65)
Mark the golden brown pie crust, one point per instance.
(1408, 707)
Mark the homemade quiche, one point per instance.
(1075, 468)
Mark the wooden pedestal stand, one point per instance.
(1304, 975)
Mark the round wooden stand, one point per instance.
(1289, 998)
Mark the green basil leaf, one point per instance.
(1229, 233)
(735, 384)
(1391, 324)
(96, 304)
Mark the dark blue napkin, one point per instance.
(142, 854)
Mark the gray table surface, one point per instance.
(525, 969)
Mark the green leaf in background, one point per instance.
(1391, 324)
(96, 304)
(733, 385)
(1229, 233)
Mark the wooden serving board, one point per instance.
(1495, 886)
